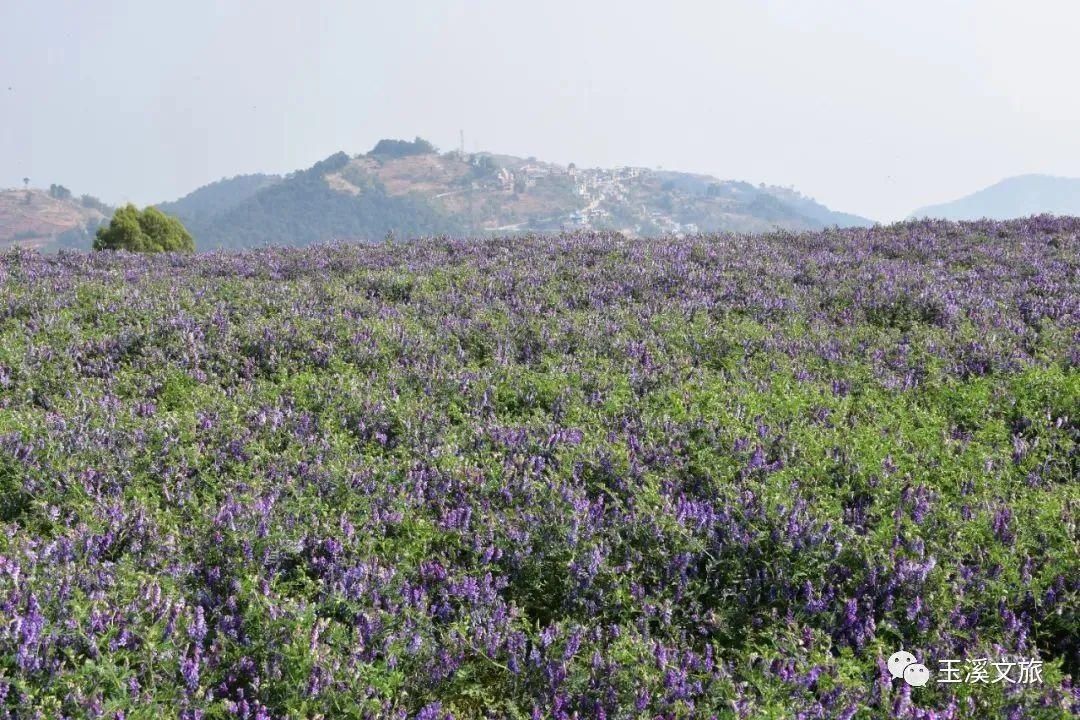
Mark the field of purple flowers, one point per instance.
(558, 477)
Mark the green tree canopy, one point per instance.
(402, 148)
(91, 202)
(59, 192)
(149, 230)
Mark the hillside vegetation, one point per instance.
(218, 197)
(40, 220)
(304, 209)
(409, 189)
(573, 476)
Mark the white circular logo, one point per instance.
(900, 660)
(916, 675)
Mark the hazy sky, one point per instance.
(871, 107)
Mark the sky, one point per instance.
(871, 108)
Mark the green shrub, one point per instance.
(149, 230)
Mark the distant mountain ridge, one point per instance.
(410, 189)
(218, 197)
(1014, 197)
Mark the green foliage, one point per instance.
(303, 210)
(147, 231)
(59, 192)
(514, 478)
(92, 203)
(331, 164)
(387, 148)
(484, 166)
(217, 197)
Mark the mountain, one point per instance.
(410, 189)
(49, 219)
(312, 206)
(218, 197)
(1013, 197)
(814, 210)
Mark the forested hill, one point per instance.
(303, 208)
(218, 197)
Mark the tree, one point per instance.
(387, 148)
(484, 166)
(59, 192)
(91, 202)
(26, 182)
(147, 231)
